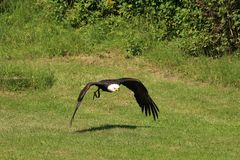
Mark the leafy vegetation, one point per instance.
(213, 25)
(31, 29)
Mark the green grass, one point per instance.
(21, 76)
(198, 97)
(195, 121)
(224, 71)
(27, 37)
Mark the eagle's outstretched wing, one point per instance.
(141, 95)
(80, 98)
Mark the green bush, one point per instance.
(7, 6)
(22, 77)
(214, 25)
(135, 46)
(209, 27)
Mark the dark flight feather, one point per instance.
(80, 98)
(141, 95)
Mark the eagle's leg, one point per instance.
(96, 93)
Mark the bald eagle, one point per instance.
(111, 85)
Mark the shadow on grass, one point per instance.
(110, 126)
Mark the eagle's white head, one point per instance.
(113, 87)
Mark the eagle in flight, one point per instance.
(111, 85)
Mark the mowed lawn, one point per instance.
(196, 121)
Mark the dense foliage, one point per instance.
(157, 30)
(209, 27)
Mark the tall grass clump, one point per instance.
(16, 77)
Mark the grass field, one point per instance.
(196, 120)
(45, 63)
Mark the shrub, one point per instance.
(218, 21)
(135, 46)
